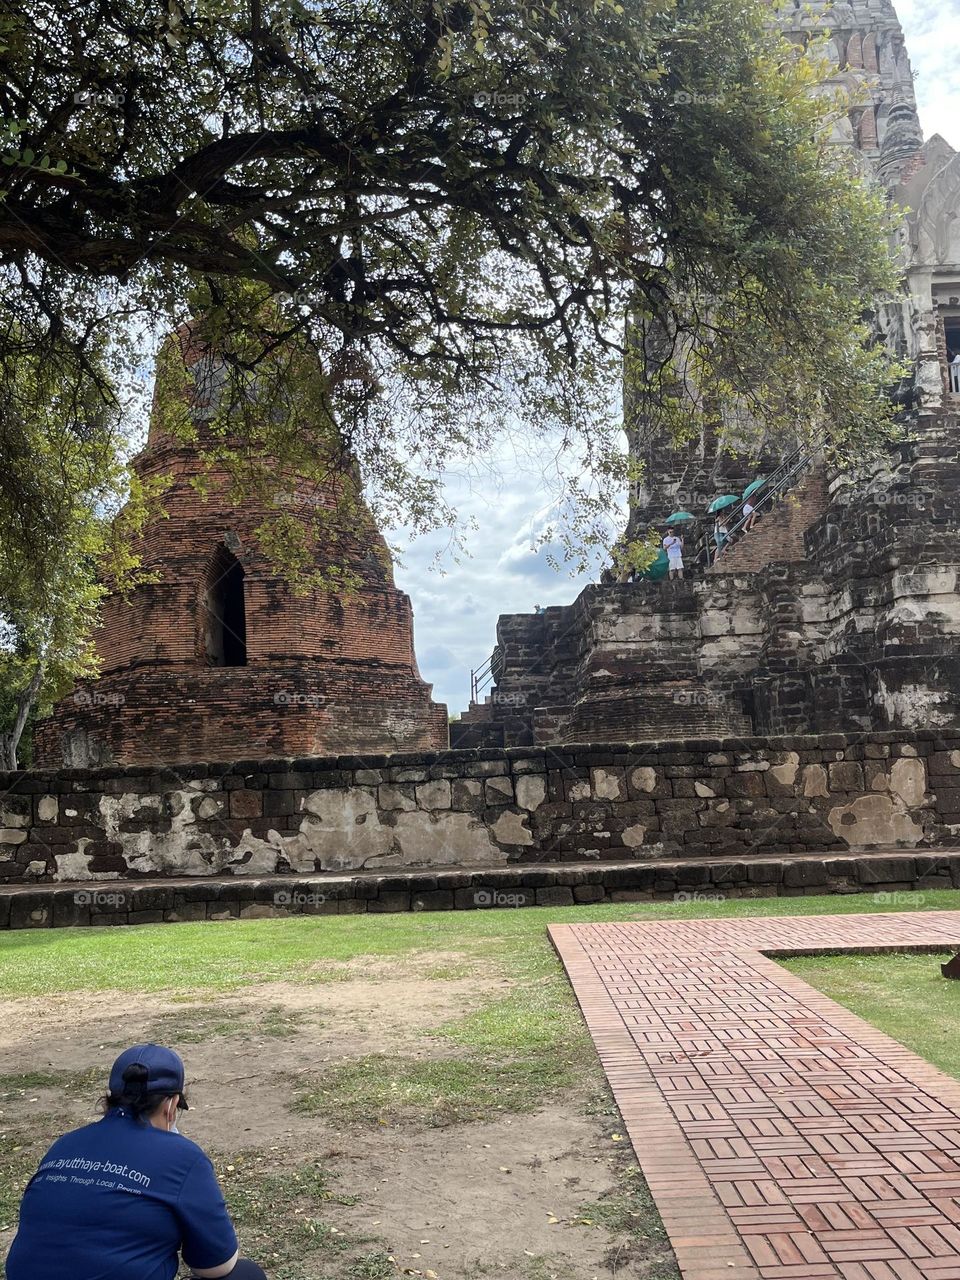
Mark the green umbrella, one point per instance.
(754, 485)
(724, 501)
(679, 517)
(658, 569)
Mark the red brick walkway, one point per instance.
(782, 1137)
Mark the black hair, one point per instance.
(135, 1098)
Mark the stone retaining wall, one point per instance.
(894, 880)
(740, 798)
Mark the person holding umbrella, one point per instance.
(749, 509)
(673, 543)
(721, 532)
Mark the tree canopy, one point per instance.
(451, 203)
(64, 480)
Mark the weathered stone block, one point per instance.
(745, 785)
(588, 893)
(486, 769)
(554, 896)
(279, 803)
(48, 808)
(498, 791)
(395, 796)
(886, 870)
(245, 803)
(845, 775)
(368, 777)
(433, 900)
(608, 783)
(390, 900)
(805, 873)
(434, 795)
(351, 906)
(944, 762)
(531, 791)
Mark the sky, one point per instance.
(455, 613)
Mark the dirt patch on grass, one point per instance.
(354, 1142)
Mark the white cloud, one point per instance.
(456, 609)
(931, 31)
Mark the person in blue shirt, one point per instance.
(125, 1197)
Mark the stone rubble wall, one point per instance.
(733, 798)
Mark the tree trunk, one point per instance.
(9, 742)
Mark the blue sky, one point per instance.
(456, 614)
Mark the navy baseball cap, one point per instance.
(164, 1070)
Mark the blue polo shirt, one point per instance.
(118, 1200)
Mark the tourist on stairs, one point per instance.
(126, 1197)
(673, 546)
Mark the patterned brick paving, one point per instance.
(782, 1137)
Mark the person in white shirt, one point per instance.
(673, 546)
(749, 515)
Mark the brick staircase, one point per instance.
(777, 536)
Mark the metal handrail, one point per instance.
(777, 484)
(481, 679)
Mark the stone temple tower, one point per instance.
(866, 43)
(219, 659)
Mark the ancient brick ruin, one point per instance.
(219, 658)
(839, 610)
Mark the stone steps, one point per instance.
(889, 876)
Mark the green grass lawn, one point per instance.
(514, 1048)
(511, 1050)
(230, 954)
(904, 995)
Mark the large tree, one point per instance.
(63, 534)
(452, 203)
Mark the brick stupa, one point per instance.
(220, 659)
